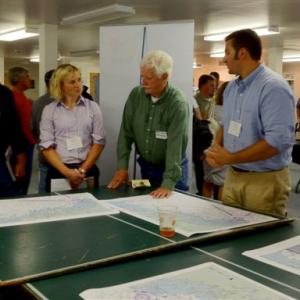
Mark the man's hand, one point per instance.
(120, 177)
(161, 193)
(20, 166)
(75, 178)
(218, 156)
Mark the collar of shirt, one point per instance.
(246, 82)
(200, 97)
(81, 101)
(160, 99)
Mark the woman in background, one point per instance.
(214, 177)
(71, 131)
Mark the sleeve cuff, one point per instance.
(122, 164)
(47, 145)
(168, 184)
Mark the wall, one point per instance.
(213, 65)
(293, 69)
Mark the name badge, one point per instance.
(74, 143)
(234, 128)
(162, 135)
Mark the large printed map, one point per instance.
(51, 208)
(206, 281)
(194, 215)
(284, 255)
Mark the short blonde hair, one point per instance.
(57, 79)
(161, 62)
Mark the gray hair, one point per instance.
(15, 74)
(160, 61)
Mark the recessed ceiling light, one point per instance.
(103, 14)
(17, 34)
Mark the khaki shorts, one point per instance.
(264, 192)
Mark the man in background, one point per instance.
(13, 141)
(20, 80)
(203, 109)
(37, 110)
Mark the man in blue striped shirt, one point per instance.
(258, 130)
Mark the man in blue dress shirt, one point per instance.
(258, 130)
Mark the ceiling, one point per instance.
(210, 16)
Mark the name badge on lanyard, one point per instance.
(162, 135)
(74, 142)
(234, 128)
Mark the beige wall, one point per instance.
(293, 69)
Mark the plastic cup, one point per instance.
(167, 220)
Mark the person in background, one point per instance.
(203, 110)
(203, 100)
(85, 93)
(216, 75)
(37, 110)
(155, 119)
(298, 110)
(13, 139)
(257, 135)
(72, 134)
(214, 177)
(20, 80)
(297, 126)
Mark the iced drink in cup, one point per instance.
(167, 219)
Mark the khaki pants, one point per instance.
(264, 192)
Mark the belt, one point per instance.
(240, 170)
(247, 171)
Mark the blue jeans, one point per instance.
(44, 167)
(24, 182)
(155, 173)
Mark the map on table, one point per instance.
(51, 208)
(194, 215)
(284, 255)
(205, 281)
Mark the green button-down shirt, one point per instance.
(159, 131)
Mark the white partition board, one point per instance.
(120, 54)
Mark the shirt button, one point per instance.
(147, 141)
(148, 129)
(150, 118)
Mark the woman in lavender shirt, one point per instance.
(72, 133)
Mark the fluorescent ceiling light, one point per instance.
(217, 54)
(86, 52)
(103, 14)
(261, 31)
(35, 59)
(17, 34)
(197, 66)
(291, 58)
